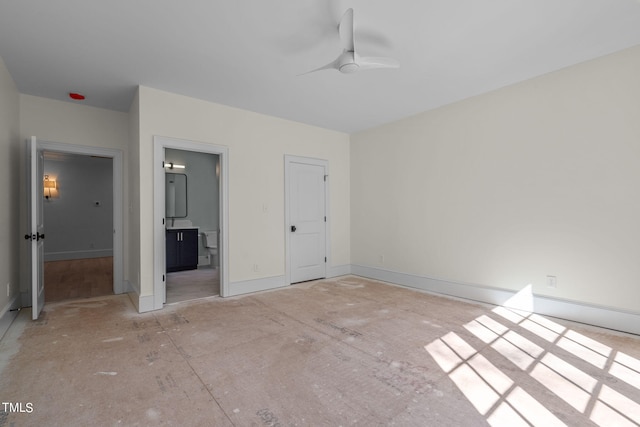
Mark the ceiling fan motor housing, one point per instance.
(347, 63)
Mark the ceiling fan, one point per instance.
(349, 61)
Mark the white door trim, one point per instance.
(288, 160)
(118, 199)
(159, 256)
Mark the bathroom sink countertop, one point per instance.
(180, 224)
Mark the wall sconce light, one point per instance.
(171, 165)
(48, 185)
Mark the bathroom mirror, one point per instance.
(175, 195)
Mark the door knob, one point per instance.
(29, 237)
(40, 236)
(293, 228)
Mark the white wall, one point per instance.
(257, 145)
(73, 123)
(10, 239)
(76, 226)
(536, 179)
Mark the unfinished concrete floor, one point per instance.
(345, 351)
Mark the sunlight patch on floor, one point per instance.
(497, 397)
(627, 369)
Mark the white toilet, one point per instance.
(211, 243)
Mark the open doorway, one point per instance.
(78, 217)
(35, 293)
(192, 206)
(190, 231)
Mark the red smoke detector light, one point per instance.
(76, 96)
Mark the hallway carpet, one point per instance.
(345, 351)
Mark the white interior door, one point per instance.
(307, 221)
(35, 166)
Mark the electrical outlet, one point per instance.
(8, 289)
(255, 267)
(552, 282)
(381, 259)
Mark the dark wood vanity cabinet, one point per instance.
(182, 249)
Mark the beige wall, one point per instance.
(536, 179)
(257, 145)
(10, 239)
(72, 123)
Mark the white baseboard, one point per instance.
(338, 270)
(7, 316)
(144, 303)
(256, 285)
(267, 283)
(61, 256)
(605, 317)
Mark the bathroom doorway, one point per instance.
(192, 205)
(190, 210)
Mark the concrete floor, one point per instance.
(346, 351)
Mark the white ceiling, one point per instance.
(249, 53)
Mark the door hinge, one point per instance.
(325, 219)
(162, 221)
(325, 259)
(325, 178)
(163, 277)
(163, 164)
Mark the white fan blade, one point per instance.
(345, 28)
(332, 65)
(367, 63)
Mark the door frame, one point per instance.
(159, 255)
(288, 160)
(118, 199)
